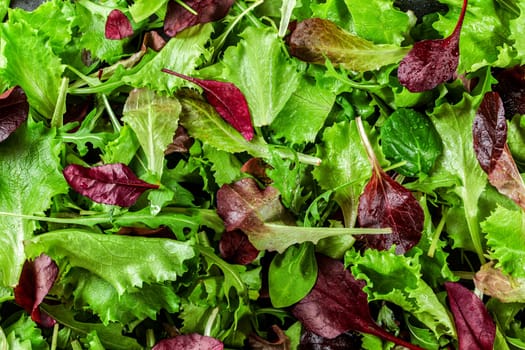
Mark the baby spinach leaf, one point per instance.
(179, 18)
(118, 26)
(490, 145)
(476, 329)
(433, 61)
(298, 261)
(315, 40)
(154, 120)
(114, 184)
(140, 260)
(13, 110)
(409, 136)
(37, 278)
(227, 100)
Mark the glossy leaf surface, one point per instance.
(118, 26)
(113, 184)
(13, 111)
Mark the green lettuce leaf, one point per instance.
(259, 67)
(32, 65)
(23, 334)
(142, 9)
(517, 26)
(154, 120)
(504, 228)
(397, 279)
(304, 114)
(30, 153)
(125, 262)
(181, 54)
(371, 18)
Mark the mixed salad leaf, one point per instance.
(279, 174)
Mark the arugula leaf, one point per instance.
(266, 76)
(153, 119)
(166, 259)
(32, 153)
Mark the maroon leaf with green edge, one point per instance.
(37, 278)
(476, 329)
(489, 133)
(431, 62)
(179, 18)
(227, 100)
(114, 184)
(338, 304)
(118, 26)
(14, 109)
(192, 341)
(386, 203)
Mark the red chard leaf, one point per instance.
(386, 203)
(337, 304)
(236, 248)
(113, 184)
(490, 145)
(178, 18)
(192, 341)
(227, 100)
(37, 278)
(431, 62)
(118, 26)
(14, 109)
(476, 330)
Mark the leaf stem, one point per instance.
(112, 116)
(187, 7)
(211, 321)
(57, 120)
(368, 146)
(54, 338)
(437, 233)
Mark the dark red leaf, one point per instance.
(257, 167)
(476, 330)
(489, 133)
(227, 100)
(192, 341)
(37, 278)
(511, 88)
(182, 142)
(281, 343)
(235, 247)
(160, 232)
(153, 40)
(337, 304)
(118, 26)
(114, 184)
(386, 203)
(178, 18)
(345, 341)
(431, 62)
(14, 109)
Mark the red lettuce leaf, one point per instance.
(114, 184)
(337, 304)
(36, 279)
(281, 343)
(178, 18)
(182, 142)
(476, 330)
(14, 109)
(431, 62)
(489, 132)
(511, 88)
(235, 247)
(345, 341)
(227, 100)
(192, 341)
(118, 26)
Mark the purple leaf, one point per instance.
(385, 203)
(281, 343)
(476, 330)
(227, 100)
(192, 341)
(178, 18)
(490, 145)
(118, 26)
(511, 88)
(14, 109)
(37, 278)
(235, 247)
(431, 62)
(337, 304)
(113, 184)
